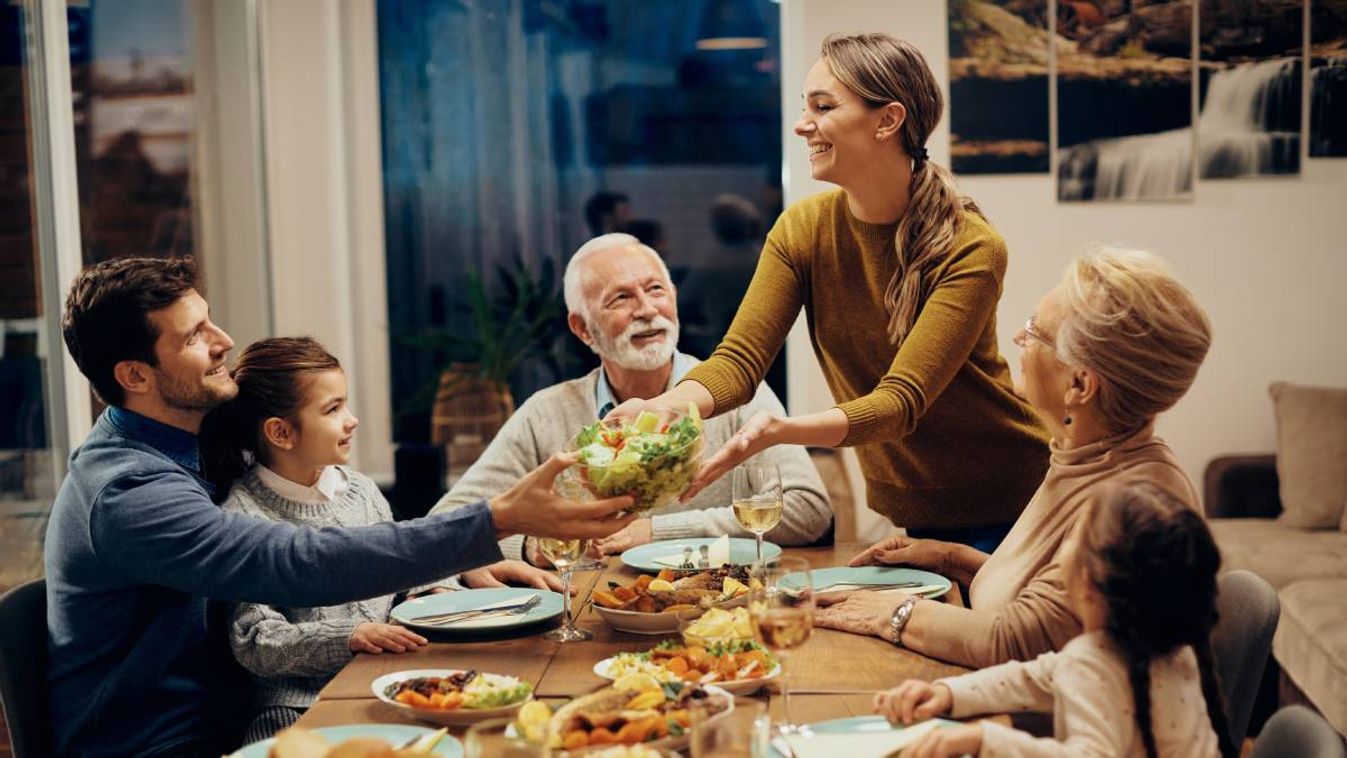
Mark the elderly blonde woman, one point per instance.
(1116, 343)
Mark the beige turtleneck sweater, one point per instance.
(1018, 606)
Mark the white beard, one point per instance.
(622, 352)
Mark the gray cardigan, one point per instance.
(548, 420)
(293, 652)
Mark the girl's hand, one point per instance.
(373, 637)
(759, 433)
(912, 701)
(950, 742)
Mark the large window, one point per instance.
(502, 121)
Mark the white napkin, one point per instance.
(716, 556)
(859, 744)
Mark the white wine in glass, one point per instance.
(781, 610)
(757, 499)
(564, 554)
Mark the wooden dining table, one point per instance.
(833, 675)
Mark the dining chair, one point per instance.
(1298, 731)
(1241, 641)
(23, 669)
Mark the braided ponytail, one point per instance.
(883, 69)
(1137, 537)
(1211, 692)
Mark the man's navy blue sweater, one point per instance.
(134, 550)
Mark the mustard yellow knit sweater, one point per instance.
(943, 440)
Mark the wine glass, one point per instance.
(496, 738)
(564, 554)
(757, 499)
(782, 613)
(569, 486)
(743, 733)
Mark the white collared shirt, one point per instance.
(331, 484)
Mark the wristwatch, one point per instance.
(901, 615)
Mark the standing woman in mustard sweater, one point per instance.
(899, 277)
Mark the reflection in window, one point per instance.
(132, 78)
(26, 467)
(515, 130)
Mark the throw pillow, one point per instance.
(1311, 454)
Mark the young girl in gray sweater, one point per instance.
(279, 452)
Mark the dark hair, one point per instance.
(601, 204)
(649, 231)
(106, 318)
(273, 375)
(735, 220)
(1139, 537)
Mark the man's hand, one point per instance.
(638, 532)
(904, 551)
(373, 637)
(913, 700)
(758, 434)
(512, 573)
(533, 507)
(951, 742)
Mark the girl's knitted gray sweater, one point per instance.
(293, 652)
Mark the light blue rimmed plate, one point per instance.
(930, 585)
(743, 552)
(858, 725)
(393, 734)
(465, 600)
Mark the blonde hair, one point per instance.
(1127, 318)
(883, 69)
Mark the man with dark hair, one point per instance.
(605, 211)
(135, 547)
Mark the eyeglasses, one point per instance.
(1031, 332)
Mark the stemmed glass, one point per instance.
(566, 555)
(782, 613)
(757, 499)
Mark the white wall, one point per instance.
(1266, 257)
(324, 196)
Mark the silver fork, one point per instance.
(456, 616)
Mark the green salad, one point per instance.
(651, 460)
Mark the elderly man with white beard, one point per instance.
(622, 305)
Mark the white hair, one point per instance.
(573, 282)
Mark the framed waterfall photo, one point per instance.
(998, 86)
(1328, 78)
(1124, 100)
(1250, 72)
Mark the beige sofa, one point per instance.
(1283, 518)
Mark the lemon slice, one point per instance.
(637, 682)
(533, 719)
(659, 585)
(732, 587)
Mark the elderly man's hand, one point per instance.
(638, 532)
(756, 435)
(858, 611)
(512, 573)
(904, 551)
